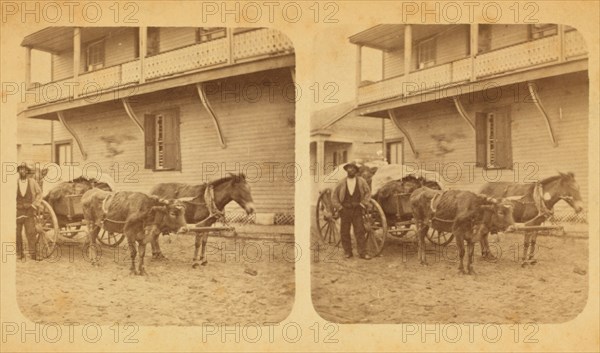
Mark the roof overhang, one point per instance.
(60, 39)
(48, 110)
(389, 37)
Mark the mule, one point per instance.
(533, 204)
(225, 190)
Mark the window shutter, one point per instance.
(171, 141)
(149, 141)
(481, 140)
(503, 139)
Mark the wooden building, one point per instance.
(480, 103)
(150, 105)
(338, 135)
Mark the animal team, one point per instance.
(170, 207)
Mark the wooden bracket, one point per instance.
(462, 112)
(61, 118)
(404, 131)
(211, 113)
(538, 104)
(131, 114)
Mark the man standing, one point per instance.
(29, 197)
(350, 197)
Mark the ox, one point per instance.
(204, 207)
(533, 203)
(467, 215)
(141, 218)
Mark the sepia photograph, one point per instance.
(144, 175)
(299, 176)
(460, 166)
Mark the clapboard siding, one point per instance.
(393, 63)
(62, 66)
(176, 37)
(450, 46)
(257, 134)
(427, 123)
(120, 46)
(505, 35)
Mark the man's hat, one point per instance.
(351, 165)
(27, 166)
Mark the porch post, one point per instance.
(383, 150)
(143, 50)
(229, 34)
(358, 68)
(320, 167)
(474, 36)
(76, 57)
(407, 49)
(561, 42)
(27, 67)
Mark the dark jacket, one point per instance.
(339, 193)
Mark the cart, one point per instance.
(377, 226)
(70, 221)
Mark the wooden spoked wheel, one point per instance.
(328, 224)
(376, 228)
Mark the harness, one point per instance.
(213, 210)
(538, 201)
(435, 201)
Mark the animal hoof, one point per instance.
(159, 257)
(204, 263)
(133, 273)
(532, 261)
(143, 273)
(196, 264)
(424, 263)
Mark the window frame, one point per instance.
(57, 145)
(94, 67)
(388, 144)
(542, 30)
(209, 34)
(432, 41)
(493, 142)
(152, 150)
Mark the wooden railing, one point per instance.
(246, 46)
(497, 62)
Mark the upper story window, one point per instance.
(95, 56)
(426, 53)
(542, 30)
(207, 34)
(493, 139)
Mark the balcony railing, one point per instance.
(247, 46)
(497, 62)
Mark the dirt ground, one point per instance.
(244, 281)
(395, 288)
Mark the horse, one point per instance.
(533, 202)
(230, 188)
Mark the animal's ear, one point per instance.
(571, 175)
